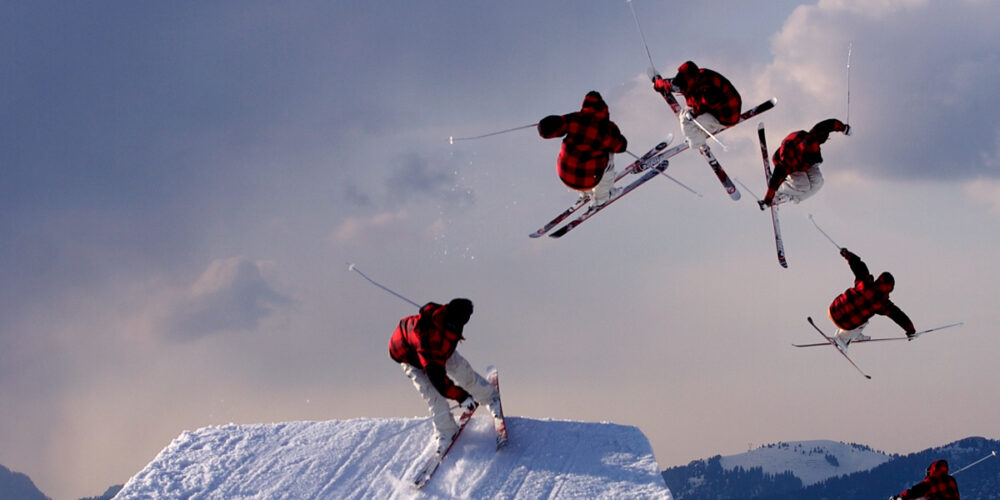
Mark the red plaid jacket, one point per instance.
(857, 305)
(426, 342)
(710, 92)
(799, 151)
(591, 137)
(938, 485)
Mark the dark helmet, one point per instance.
(458, 311)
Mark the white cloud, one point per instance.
(232, 294)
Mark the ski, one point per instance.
(915, 335)
(727, 183)
(654, 156)
(591, 211)
(706, 152)
(651, 157)
(778, 243)
(434, 461)
(499, 423)
(841, 350)
(561, 217)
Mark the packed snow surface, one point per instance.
(377, 458)
(810, 461)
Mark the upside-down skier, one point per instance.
(425, 346)
(869, 296)
(938, 485)
(590, 140)
(713, 102)
(796, 163)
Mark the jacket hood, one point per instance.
(594, 103)
(937, 468)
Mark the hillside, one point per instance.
(369, 458)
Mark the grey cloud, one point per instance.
(417, 177)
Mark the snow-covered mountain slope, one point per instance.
(810, 461)
(374, 458)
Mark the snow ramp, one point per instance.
(375, 458)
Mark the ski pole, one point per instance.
(352, 267)
(850, 47)
(679, 183)
(643, 36)
(991, 455)
(938, 328)
(744, 186)
(452, 139)
(824, 232)
(710, 135)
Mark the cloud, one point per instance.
(230, 295)
(985, 191)
(922, 74)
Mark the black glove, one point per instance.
(844, 252)
(847, 129)
(468, 404)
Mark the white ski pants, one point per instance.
(801, 185)
(695, 135)
(459, 371)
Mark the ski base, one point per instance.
(499, 423)
(779, 244)
(591, 211)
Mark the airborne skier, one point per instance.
(590, 139)
(796, 163)
(869, 296)
(938, 485)
(425, 346)
(713, 101)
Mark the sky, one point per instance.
(184, 185)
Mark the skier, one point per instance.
(796, 163)
(424, 345)
(851, 310)
(586, 161)
(713, 101)
(938, 485)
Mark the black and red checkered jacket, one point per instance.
(857, 305)
(425, 341)
(706, 91)
(590, 138)
(799, 151)
(938, 485)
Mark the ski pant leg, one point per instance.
(461, 372)
(695, 135)
(602, 191)
(440, 410)
(801, 185)
(848, 336)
